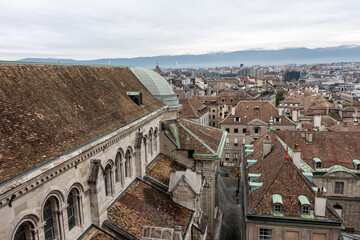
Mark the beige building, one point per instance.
(280, 200)
(248, 121)
(331, 160)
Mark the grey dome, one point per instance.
(157, 86)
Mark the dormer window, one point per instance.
(277, 119)
(277, 203)
(136, 97)
(305, 210)
(356, 164)
(305, 205)
(236, 119)
(277, 208)
(317, 162)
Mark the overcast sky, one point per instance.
(91, 29)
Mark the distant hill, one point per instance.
(219, 59)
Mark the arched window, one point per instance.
(74, 203)
(117, 167)
(24, 232)
(145, 150)
(108, 180)
(155, 141)
(49, 218)
(150, 143)
(128, 163)
(71, 211)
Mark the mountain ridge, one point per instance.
(300, 55)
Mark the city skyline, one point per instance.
(91, 30)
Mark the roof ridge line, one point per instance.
(192, 134)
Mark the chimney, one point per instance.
(280, 111)
(345, 127)
(266, 146)
(317, 121)
(309, 136)
(287, 157)
(295, 115)
(327, 110)
(233, 111)
(320, 203)
(296, 157)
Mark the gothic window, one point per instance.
(150, 143)
(117, 167)
(108, 180)
(48, 218)
(24, 232)
(70, 211)
(128, 164)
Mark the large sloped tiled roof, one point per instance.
(47, 110)
(192, 108)
(95, 233)
(143, 205)
(160, 168)
(205, 140)
(280, 176)
(248, 111)
(333, 148)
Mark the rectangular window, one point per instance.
(265, 234)
(339, 187)
(257, 130)
(235, 141)
(227, 156)
(227, 130)
(235, 155)
(277, 208)
(305, 210)
(236, 130)
(244, 130)
(227, 142)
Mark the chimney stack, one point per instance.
(317, 121)
(309, 136)
(327, 110)
(320, 203)
(296, 157)
(280, 111)
(295, 115)
(266, 146)
(233, 111)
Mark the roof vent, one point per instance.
(188, 139)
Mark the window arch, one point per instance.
(51, 218)
(145, 149)
(74, 208)
(156, 140)
(24, 231)
(150, 142)
(108, 180)
(117, 167)
(128, 159)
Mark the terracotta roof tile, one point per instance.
(143, 205)
(47, 110)
(192, 108)
(160, 168)
(251, 110)
(95, 233)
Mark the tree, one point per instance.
(279, 96)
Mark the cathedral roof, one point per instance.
(157, 85)
(49, 110)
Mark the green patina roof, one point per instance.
(133, 93)
(317, 160)
(277, 198)
(303, 200)
(157, 86)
